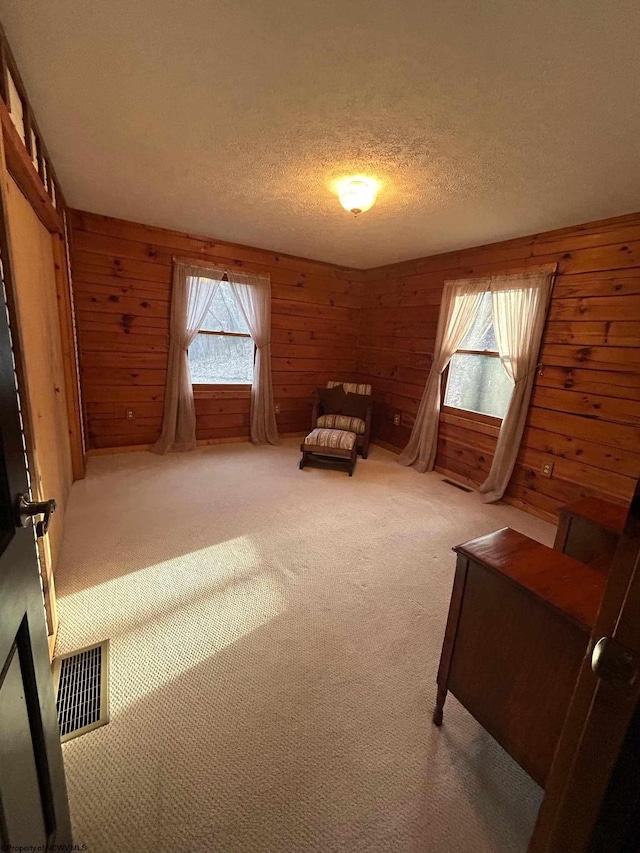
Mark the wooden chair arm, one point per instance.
(367, 420)
(369, 414)
(316, 411)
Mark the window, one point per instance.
(222, 352)
(476, 380)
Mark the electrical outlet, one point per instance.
(547, 469)
(129, 414)
(277, 408)
(397, 418)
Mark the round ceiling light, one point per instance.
(357, 194)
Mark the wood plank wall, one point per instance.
(122, 286)
(585, 412)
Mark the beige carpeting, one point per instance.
(275, 636)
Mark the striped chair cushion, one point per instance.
(356, 425)
(337, 438)
(352, 387)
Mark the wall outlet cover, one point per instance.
(547, 469)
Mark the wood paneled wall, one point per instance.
(585, 412)
(122, 286)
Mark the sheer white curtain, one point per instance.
(253, 293)
(519, 306)
(193, 290)
(460, 303)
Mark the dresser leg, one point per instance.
(448, 645)
(437, 713)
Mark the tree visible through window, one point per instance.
(476, 379)
(222, 352)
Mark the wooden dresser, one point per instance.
(589, 530)
(518, 628)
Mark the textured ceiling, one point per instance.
(481, 120)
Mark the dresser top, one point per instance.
(559, 581)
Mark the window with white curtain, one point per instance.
(222, 352)
(476, 382)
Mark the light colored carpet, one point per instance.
(275, 636)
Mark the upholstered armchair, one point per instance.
(361, 426)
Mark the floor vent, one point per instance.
(81, 679)
(457, 485)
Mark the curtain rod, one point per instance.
(199, 262)
(508, 271)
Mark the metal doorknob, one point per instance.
(613, 663)
(27, 509)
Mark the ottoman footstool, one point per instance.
(328, 447)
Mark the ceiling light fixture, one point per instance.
(357, 194)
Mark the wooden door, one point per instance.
(601, 709)
(33, 799)
(37, 328)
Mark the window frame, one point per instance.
(208, 389)
(468, 414)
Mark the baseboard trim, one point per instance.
(385, 444)
(128, 448)
(202, 442)
(518, 503)
(530, 509)
(459, 478)
(236, 439)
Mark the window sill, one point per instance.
(487, 423)
(221, 391)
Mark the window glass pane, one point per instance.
(217, 360)
(481, 335)
(225, 314)
(478, 383)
